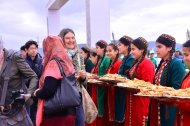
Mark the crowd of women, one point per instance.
(116, 106)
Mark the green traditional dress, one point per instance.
(102, 69)
(120, 93)
(176, 72)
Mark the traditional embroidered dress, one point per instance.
(101, 70)
(137, 107)
(183, 117)
(120, 93)
(154, 104)
(101, 92)
(92, 90)
(162, 114)
(111, 89)
(113, 69)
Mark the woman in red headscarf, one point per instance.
(51, 76)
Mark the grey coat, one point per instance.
(19, 68)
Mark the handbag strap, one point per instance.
(60, 66)
(6, 81)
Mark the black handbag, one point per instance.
(66, 96)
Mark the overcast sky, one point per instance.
(21, 20)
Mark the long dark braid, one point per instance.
(88, 56)
(142, 58)
(101, 58)
(97, 62)
(124, 61)
(129, 49)
(140, 43)
(166, 70)
(136, 62)
(160, 64)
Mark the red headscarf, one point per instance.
(53, 48)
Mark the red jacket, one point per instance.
(145, 71)
(137, 107)
(111, 93)
(183, 117)
(115, 68)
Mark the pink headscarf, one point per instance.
(53, 48)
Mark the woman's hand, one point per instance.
(36, 91)
(82, 74)
(26, 96)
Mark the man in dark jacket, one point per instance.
(17, 69)
(34, 60)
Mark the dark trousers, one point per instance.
(80, 121)
(33, 110)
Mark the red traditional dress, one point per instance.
(183, 117)
(137, 107)
(93, 93)
(99, 94)
(113, 69)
